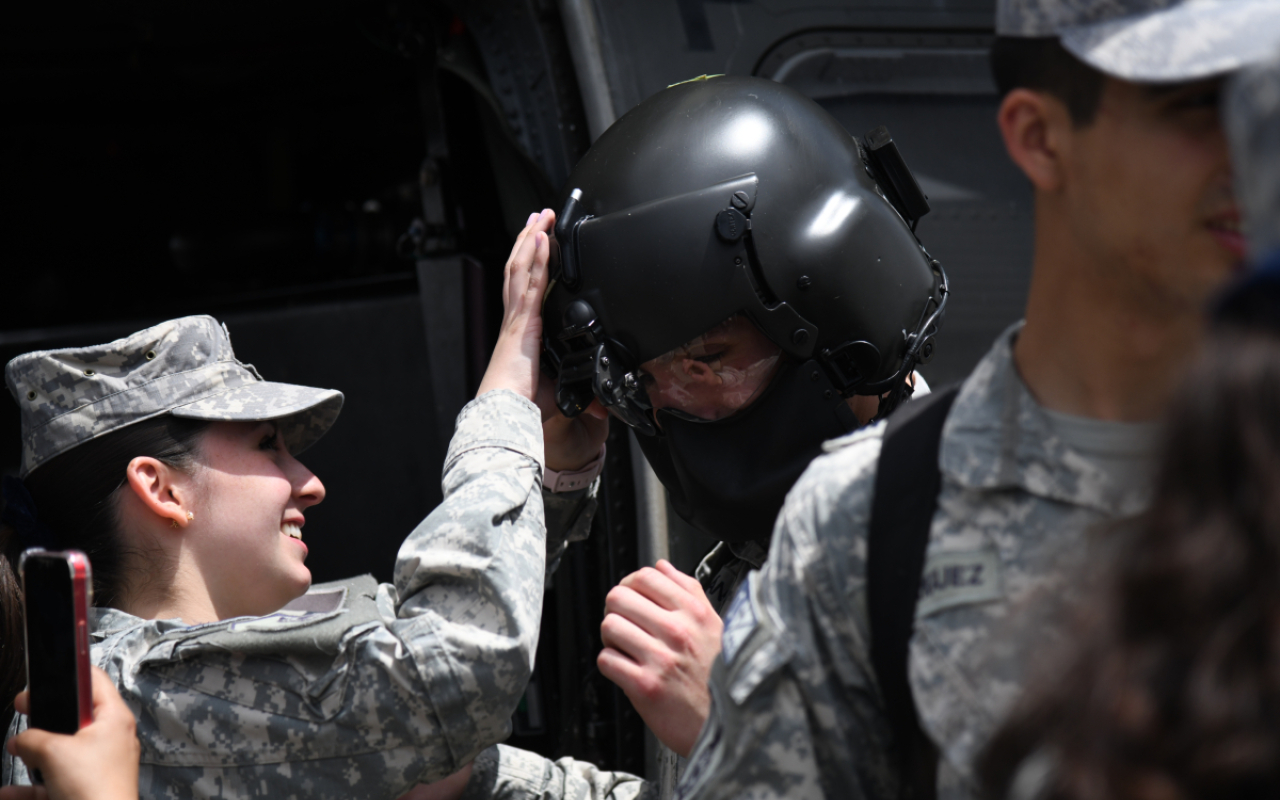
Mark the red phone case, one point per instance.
(81, 591)
(81, 598)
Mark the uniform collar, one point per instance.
(106, 622)
(998, 437)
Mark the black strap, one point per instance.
(906, 496)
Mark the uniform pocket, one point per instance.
(307, 689)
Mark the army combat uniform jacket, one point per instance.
(357, 690)
(796, 711)
(509, 773)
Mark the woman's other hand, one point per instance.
(100, 762)
(514, 364)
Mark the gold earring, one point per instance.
(190, 516)
(173, 523)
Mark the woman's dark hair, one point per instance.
(75, 498)
(1043, 64)
(75, 492)
(1172, 684)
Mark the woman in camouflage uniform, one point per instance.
(173, 466)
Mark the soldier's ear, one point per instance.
(1036, 127)
(162, 496)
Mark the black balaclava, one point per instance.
(729, 477)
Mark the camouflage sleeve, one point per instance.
(470, 578)
(359, 691)
(508, 773)
(795, 712)
(569, 516)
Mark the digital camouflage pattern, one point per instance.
(1252, 115)
(1051, 17)
(796, 712)
(508, 773)
(1151, 41)
(357, 690)
(720, 573)
(569, 517)
(184, 366)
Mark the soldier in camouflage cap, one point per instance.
(1110, 110)
(184, 367)
(1169, 614)
(350, 690)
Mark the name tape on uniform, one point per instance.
(953, 579)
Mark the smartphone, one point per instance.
(58, 590)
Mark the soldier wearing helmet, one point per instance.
(738, 280)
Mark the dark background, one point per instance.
(262, 162)
(266, 163)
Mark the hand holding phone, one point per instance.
(100, 762)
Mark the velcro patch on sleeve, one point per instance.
(739, 622)
(953, 579)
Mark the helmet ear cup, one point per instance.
(852, 363)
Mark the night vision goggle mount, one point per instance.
(591, 368)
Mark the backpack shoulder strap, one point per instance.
(906, 495)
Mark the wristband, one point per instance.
(557, 482)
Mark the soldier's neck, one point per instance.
(163, 595)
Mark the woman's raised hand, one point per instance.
(514, 364)
(100, 761)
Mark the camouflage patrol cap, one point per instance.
(183, 367)
(1252, 116)
(1150, 41)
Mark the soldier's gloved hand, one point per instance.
(570, 444)
(661, 637)
(100, 762)
(514, 364)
